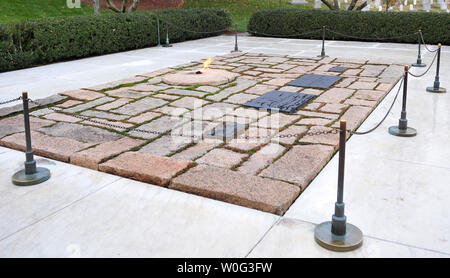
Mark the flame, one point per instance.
(207, 63)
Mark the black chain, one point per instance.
(191, 31)
(283, 36)
(428, 69)
(385, 116)
(381, 39)
(9, 101)
(425, 45)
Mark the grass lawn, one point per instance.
(242, 10)
(16, 10)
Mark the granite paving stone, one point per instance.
(114, 104)
(260, 89)
(69, 103)
(5, 111)
(58, 148)
(144, 117)
(221, 158)
(189, 102)
(333, 108)
(327, 139)
(182, 92)
(237, 188)
(140, 106)
(261, 159)
(60, 117)
(198, 149)
(82, 94)
(85, 134)
(292, 130)
(115, 125)
(240, 98)
(145, 167)
(300, 164)
(363, 85)
(335, 95)
(314, 121)
(160, 125)
(15, 124)
(88, 105)
(90, 158)
(354, 116)
(126, 92)
(166, 145)
(104, 115)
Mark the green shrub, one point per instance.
(43, 41)
(370, 26)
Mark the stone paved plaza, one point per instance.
(257, 167)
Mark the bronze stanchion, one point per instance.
(337, 234)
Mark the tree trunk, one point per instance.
(111, 6)
(96, 6)
(352, 5)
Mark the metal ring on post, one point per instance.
(419, 63)
(338, 235)
(31, 175)
(402, 129)
(437, 85)
(167, 36)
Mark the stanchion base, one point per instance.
(353, 239)
(166, 45)
(408, 132)
(322, 56)
(22, 179)
(436, 90)
(419, 65)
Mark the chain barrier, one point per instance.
(283, 36)
(425, 45)
(375, 38)
(428, 69)
(191, 31)
(10, 101)
(385, 116)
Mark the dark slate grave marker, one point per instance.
(337, 69)
(231, 130)
(315, 81)
(286, 102)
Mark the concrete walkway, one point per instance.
(396, 189)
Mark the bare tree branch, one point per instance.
(134, 6)
(364, 4)
(111, 6)
(96, 6)
(328, 4)
(352, 5)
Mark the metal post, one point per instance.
(236, 49)
(337, 234)
(224, 130)
(31, 175)
(167, 36)
(419, 56)
(235, 126)
(402, 129)
(436, 86)
(159, 33)
(322, 53)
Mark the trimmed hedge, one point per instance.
(43, 41)
(367, 25)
